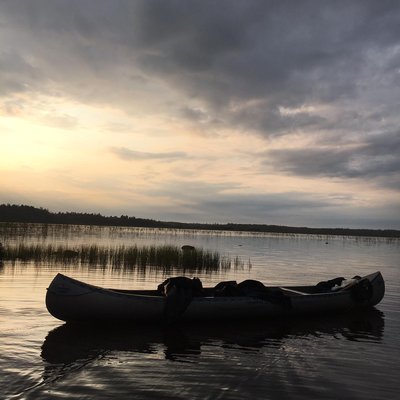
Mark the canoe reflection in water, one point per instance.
(71, 347)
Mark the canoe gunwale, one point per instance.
(139, 294)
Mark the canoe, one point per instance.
(71, 300)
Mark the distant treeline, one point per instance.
(24, 213)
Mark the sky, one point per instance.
(270, 112)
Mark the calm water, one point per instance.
(346, 356)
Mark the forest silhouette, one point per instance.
(30, 214)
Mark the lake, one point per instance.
(350, 356)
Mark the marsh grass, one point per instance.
(122, 257)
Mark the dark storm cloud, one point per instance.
(270, 120)
(283, 51)
(15, 73)
(286, 53)
(376, 156)
(129, 155)
(220, 50)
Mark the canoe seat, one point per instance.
(292, 291)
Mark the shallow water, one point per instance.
(345, 356)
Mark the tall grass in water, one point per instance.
(122, 257)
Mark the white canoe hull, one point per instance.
(70, 300)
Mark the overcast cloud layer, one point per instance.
(246, 111)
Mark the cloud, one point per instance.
(228, 198)
(375, 157)
(286, 53)
(63, 121)
(17, 74)
(129, 155)
(312, 82)
(205, 202)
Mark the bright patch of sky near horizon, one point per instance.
(252, 112)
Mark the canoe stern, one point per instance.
(73, 301)
(378, 288)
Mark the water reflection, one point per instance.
(71, 347)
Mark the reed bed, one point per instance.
(121, 257)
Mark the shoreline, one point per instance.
(29, 214)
